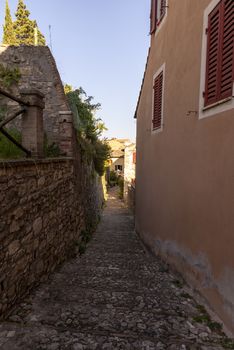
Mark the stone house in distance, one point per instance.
(117, 154)
(185, 123)
(123, 162)
(129, 173)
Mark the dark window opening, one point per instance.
(158, 11)
(118, 167)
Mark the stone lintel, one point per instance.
(34, 97)
(65, 117)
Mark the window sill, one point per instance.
(227, 99)
(157, 130)
(160, 24)
(160, 20)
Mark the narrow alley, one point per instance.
(115, 296)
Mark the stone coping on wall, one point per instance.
(27, 162)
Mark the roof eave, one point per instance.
(142, 84)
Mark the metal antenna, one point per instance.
(51, 48)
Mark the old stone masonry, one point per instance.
(115, 296)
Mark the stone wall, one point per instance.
(44, 206)
(38, 71)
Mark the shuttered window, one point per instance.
(157, 102)
(162, 9)
(153, 16)
(158, 11)
(220, 53)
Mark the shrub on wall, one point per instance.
(7, 149)
(89, 128)
(51, 150)
(102, 153)
(9, 76)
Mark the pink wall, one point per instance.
(185, 174)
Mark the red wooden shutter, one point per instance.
(212, 56)
(163, 9)
(227, 49)
(220, 53)
(153, 16)
(157, 105)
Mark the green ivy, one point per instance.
(7, 149)
(89, 128)
(9, 76)
(3, 110)
(51, 150)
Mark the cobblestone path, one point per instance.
(116, 296)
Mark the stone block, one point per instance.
(40, 267)
(13, 247)
(41, 181)
(32, 123)
(11, 292)
(18, 213)
(37, 225)
(21, 264)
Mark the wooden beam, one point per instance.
(12, 97)
(16, 143)
(7, 120)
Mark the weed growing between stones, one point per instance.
(51, 150)
(186, 296)
(204, 318)
(178, 283)
(164, 268)
(86, 235)
(227, 343)
(85, 238)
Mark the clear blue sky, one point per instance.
(100, 45)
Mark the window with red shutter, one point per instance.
(162, 9)
(157, 102)
(153, 16)
(220, 53)
(158, 11)
(227, 49)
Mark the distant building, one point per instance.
(123, 163)
(129, 174)
(117, 154)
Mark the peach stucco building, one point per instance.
(185, 145)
